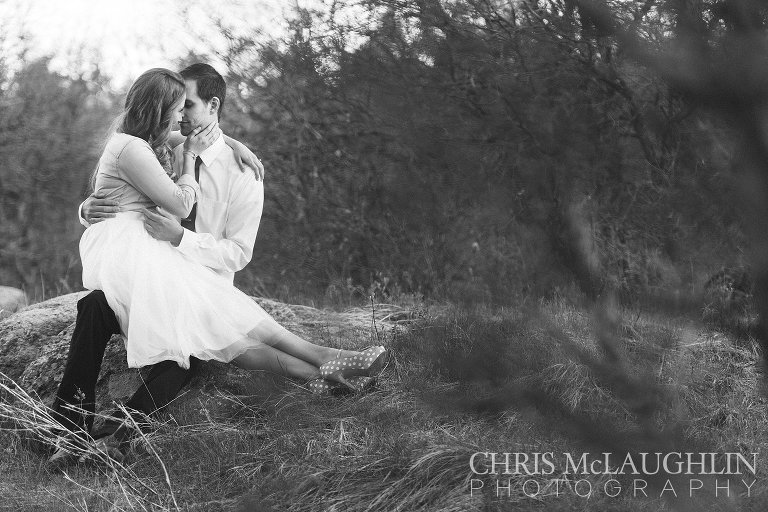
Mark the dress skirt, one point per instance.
(168, 306)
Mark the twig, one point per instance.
(373, 320)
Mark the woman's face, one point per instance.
(177, 111)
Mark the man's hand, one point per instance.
(96, 208)
(245, 158)
(161, 225)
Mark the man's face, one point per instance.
(196, 111)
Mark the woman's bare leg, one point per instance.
(287, 354)
(280, 338)
(276, 361)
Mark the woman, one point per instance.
(170, 307)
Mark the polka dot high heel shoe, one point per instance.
(367, 363)
(362, 384)
(324, 387)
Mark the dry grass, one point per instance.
(460, 382)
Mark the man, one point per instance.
(219, 233)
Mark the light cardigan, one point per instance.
(130, 174)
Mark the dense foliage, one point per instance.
(454, 149)
(446, 147)
(51, 131)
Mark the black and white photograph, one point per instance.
(383, 255)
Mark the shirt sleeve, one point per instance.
(80, 216)
(139, 166)
(235, 249)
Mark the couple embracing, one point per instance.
(166, 230)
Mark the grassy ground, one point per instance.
(554, 378)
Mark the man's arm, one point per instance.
(96, 209)
(81, 216)
(245, 157)
(235, 249)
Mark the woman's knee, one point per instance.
(268, 333)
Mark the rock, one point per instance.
(37, 336)
(11, 300)
(34, 343)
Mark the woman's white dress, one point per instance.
(168, 306)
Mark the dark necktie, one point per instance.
(189, 222)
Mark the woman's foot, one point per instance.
(367, 363)
(337, 353)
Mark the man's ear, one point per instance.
(214, 105)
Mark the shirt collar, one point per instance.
(212, 152)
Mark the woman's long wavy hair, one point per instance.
(148, 112)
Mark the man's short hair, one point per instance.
(209, 82)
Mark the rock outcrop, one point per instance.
(11, 300)
(34, 343)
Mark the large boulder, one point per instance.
(11, 300)
(34, 343)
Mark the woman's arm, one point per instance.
(139, 166)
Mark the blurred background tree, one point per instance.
(437, 148)
(423, 149)
(50, 131)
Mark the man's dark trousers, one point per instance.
(96, 323)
